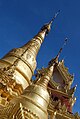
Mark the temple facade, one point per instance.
(49, 96)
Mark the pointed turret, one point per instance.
(58, 55)
(33, 103)
(21, 62)
(17, 67)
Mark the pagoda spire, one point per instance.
(48, 25)
(38, 39)
(56, 14)
(19, 64)
(34, 100)
(60, 51)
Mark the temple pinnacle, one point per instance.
(56, 14)
(60, 51)
(48, 25)
(20, 63)
(65, 41)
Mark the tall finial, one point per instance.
(56, 14)
(58, 55)
(47, 26)
(65, 41)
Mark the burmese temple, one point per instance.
(49, 96)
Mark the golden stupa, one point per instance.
(49, 96)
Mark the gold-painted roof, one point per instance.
(62, 92)
(64, 72)
(62, 114)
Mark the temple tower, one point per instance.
(50, 96)
(61, 94)
(17, 67)
(34, 101)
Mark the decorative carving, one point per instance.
(29, 114)
(68, 78)
(72, 90)
(76, 115)
(28, 56)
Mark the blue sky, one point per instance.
(21, 20)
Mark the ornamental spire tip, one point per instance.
(47, 26)
(55, 60)
(56, 14)
(60, 51)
